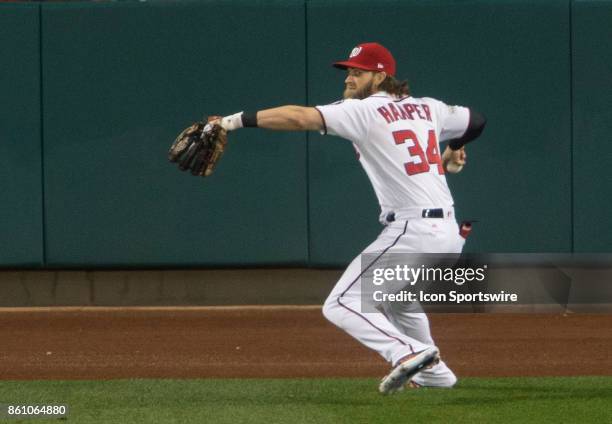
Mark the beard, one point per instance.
(366, 91)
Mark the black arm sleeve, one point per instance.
(474, 129)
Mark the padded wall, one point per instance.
(21, 212)
(120, 81)
(592, 76)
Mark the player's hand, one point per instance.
(454, 160)
(215, 119)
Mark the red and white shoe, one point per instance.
(408, 367)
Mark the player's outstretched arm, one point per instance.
(284, 118)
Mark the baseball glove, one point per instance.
(199, 147)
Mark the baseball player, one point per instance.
(397, 138)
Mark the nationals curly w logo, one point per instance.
(355, 52)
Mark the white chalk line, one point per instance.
(46, 309)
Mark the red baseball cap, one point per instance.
(369, 57)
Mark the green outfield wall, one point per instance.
(21, 204)
(592, 125)
(94, 93)
(120, 80)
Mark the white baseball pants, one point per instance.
(398, 329)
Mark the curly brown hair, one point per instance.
(395, 87)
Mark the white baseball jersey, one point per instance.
(397, 143)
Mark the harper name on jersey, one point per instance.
(391, 113)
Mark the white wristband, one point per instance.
(232, 122)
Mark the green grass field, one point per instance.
(474, 400)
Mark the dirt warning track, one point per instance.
(108, 343)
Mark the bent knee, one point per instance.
(330, 309)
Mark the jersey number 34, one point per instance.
(430, 157)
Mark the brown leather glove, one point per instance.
(199, 147)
